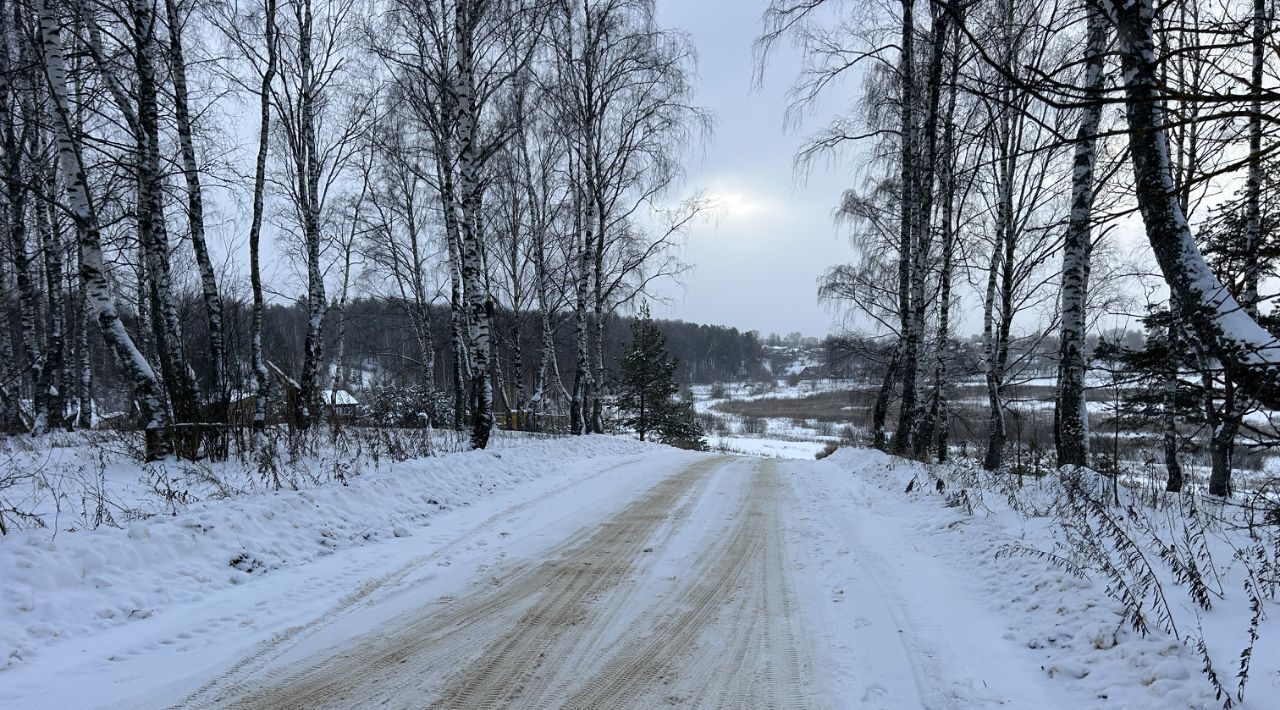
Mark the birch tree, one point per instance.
(1245, 349)
(146, 386)
(212, 299)
(623, 94)
(318, 127)
(1071, 415)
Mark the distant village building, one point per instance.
(803, 371)
(341, 405)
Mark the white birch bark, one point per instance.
(261, 377)
(472, 260)
(919, 423)
(909, 347)
(1219, 322)
(1071, 416)
(146, 387)
(195, 211)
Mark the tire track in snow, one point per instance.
(516, 620)
(218, 689)
(732, 641)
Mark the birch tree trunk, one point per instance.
(49, 385)
(195, 214)
(472, 260)
(457, 293)
(84, 391)
(583, 389)
(17, 189)
(10, 416)
(308, 177)
(1219, 323)
(146, 387)
(990, 336)
(910, 343)
(21, 151)
(997, 324)
(1253, 181)
(152, 232)
(1071, 415)
(257, 360)
(597, 400)
(940, 419)
(421, 311)
(921, 422)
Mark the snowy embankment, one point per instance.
(62, 587)
(1132, 606)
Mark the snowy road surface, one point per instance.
(678, 579)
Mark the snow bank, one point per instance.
(62, 585)
(1009, 549)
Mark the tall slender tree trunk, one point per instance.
(583, 388)
(1169, 404)
(1071, 416)
(1253, 181)
(10, 418)
(195, 214)
(466, 18)
(907, 127)
(49, 384)
(458, 322)
(152, 232)
(990, 346)
(921, 421)
(27, 339)
(308, 179)
(421, 314)
(146, 387)
(258, 361)
(84, 390)
(940, 418)
(597, 323)
(997, 325)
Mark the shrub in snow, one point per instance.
(755, 425)
(1183, 567)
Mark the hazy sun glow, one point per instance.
(730, 203)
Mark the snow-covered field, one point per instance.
(765, 446)
(599, 571)
(781, 437)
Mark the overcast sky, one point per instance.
(756, 266)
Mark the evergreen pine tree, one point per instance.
(648, 388)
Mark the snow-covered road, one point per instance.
(672, 579)
(730, 582)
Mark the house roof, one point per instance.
(337, 397)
